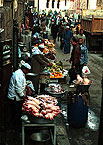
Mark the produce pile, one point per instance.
(56, 70)
(49, 44)
(49, 49)
(42, 106)
(56, 75)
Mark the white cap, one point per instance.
(27, 65)
(34, 36)
(67, 27)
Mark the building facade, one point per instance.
(66, 4)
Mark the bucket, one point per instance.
(40, 138)
(77, 113)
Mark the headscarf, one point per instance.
(36, 50)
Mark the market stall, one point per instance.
(41, 110)
(44, 57)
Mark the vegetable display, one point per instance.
(56, 70)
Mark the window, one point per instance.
(1, 3)
(99, 2)
(58, 4)
(53, 3)
(47, 4)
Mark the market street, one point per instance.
(51, 72)
(82, 136)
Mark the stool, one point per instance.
(39, 125)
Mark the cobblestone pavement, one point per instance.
(87, 135)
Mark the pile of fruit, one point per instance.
(56, 75)
(56, 70)
(56, 67)
(48, 43)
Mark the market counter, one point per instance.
(58, 136)
(53, 136)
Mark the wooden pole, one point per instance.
(92, 24)
(38, 12)
(87, 4)
(79, 4)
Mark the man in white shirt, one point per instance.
(17, 84)
(16, 93)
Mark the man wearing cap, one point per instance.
(67, 37)
(16, 92)
(81, 35)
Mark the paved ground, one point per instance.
(87, 135)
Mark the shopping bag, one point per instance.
(85, 70)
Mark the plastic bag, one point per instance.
(85, 70)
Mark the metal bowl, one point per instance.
(51, 92)
(54, 94)
(32, 74)
(40, 137)
(40, 120)
(82, 87)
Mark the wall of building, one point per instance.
(80, 4)
(99, 4)
(9, 14)
(71, 4)
(7, 22)
(20, 14)
(42, 5)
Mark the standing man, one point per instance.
(81, 35)
(17, 93)
(54, 31)
(67, 37)
(79, 58)
(38, 62)
(75, 59)
(84, 55)
(60, 34)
